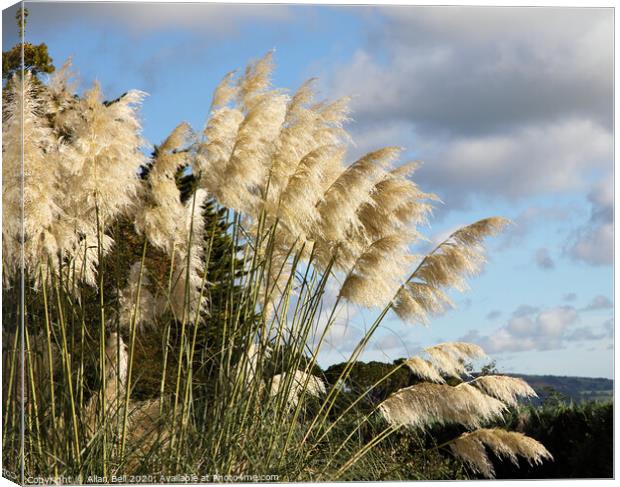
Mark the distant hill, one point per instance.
(576, 389)
(562, 388)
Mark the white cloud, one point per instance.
(594, 245)
(553, 322)
(529, 329)
(528, 161)
(390, 342)
(532, 217)
(599, 302)
(544, 260)
(524, 310)
(143, 18)
(481, 70)
(493, 315)
(521, 326)
(498, 102)
(592, 242)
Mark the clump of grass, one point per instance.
(176, 306)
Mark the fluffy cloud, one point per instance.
(526, 161)
(544, 260)
(585, 334)
(145, 18)
(482, 70)
(493, 315)
(599, 302)
(343, 337)
(530, 328)
(570, 297)
(593, 242)
(498, 102)
(393, 343)
(524, 310)
(532, 217)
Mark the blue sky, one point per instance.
(510, 110)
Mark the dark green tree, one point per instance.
(36, 59)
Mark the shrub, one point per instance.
(579, 436)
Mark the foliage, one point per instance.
(36, 59)
(363, 376)
(579, 436)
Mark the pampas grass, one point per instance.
(459, 256)
(424, 369)
(506, 389)
(425, 404)
(151, 360)
(293, 387)
(451, 358)
(40, 197)
(470, 447)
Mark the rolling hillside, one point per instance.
(577, 389)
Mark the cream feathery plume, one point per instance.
(300, 100)
(82, 254)
(245, 175)
(424, 404)
(188, 299)
(471, 450)
(99, 156)
(451, 357)
(504, 388)
(330, 130)
(136, 301)
(424, 369)
(214, 153)
(418, 300)
(224, 92)
(397, 203)
(334, 113)
(60, 88)
(255, 80)
(220, 134)
(102, 157)
(310, 147)
(177, 139)
(351, 190)
(377, 273)
(296, 140)
(161, 217)
(470, 447)
(237, 136)
(24, 128)
(306, 128)
(304, 190)
(296, 385)
(459, 256)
